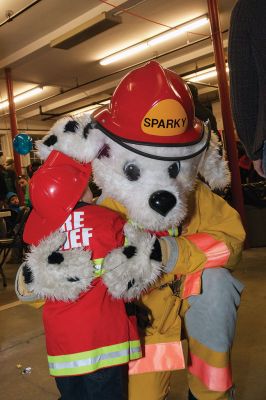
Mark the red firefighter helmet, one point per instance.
(151, 106)
(55, 188)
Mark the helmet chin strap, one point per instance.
(156, 157)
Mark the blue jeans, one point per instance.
(105, 384)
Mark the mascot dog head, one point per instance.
(147, 148)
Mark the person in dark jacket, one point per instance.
(3, 187)
(247, 64)
(16, 211)
(205, 114)
(10, 175)
(13, 226)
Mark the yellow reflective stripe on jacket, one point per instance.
(98, 270)
(173, 232)
(90, 361)
(97, 262)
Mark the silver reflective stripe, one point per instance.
(136, 349)
(88, 361)
(172, 244)
(92, 360)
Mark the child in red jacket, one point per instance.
(89, 336)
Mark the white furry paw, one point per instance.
(21, 285)
(131, 270)
(74, 136)
(55, 274)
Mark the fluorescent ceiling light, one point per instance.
(22, 96)
(3, 104)
(178, 31)
(124, 53)
(203, 75)
(163, 37)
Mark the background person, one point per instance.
(33, 167)
(3, 187)
(247, 64)
(204, 114)
(10, 175)
(23, 182)
(13, 224)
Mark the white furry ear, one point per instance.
(213, 168)
(75, 136)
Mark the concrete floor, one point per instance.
(22, 341)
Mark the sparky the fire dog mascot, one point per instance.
(147, 151)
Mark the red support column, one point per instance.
(237, 195)
(13, 125)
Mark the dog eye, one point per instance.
(132, 172)
(174, 169)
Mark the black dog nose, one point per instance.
(162, 202)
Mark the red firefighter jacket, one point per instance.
(94, 331)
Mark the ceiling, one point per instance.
(73, 78)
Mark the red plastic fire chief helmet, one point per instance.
(151, 106)
(55, 188)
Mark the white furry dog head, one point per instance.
(155, 192)
(146, 147)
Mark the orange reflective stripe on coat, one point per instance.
(216, 252)
(216, 379)
(159, 357)
(217, 255)
(192, 285)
